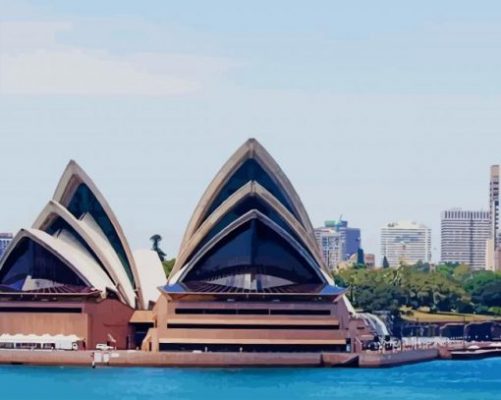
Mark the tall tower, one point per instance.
(494, 203)
(493, 244)
(464, 235)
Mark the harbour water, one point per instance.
(444, 380)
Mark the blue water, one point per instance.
(444, 380)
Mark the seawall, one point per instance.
(219, 360)
(374, 360)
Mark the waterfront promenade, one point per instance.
(131, 358)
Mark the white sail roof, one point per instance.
(79, 227)
(72, 256)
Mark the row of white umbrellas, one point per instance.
(37, 338)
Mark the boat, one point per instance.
(477, 352)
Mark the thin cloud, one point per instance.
(32, 62)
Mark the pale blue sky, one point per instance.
(378, 111)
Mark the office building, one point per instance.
(5, 239)
(494, 203)
(351, 238)
(405, 242)
(493, 247)
(331, 248)
(337, 241)
(464, 237)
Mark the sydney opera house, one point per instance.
(73, 272)
(249, 276)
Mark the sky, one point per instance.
(376, 111)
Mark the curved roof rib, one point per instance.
(250, 150)
(310, 262)
(76, 260)
(250, 189)
(97, 243)
(78, 193)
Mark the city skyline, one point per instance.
(374, 115)
(435, 251)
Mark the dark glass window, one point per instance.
(251, 170)
(242, 207)
(32, 310)
(31, 259)
(252, 348)
(256, 250)
(250, 311)
(83, 202)
(328, 327)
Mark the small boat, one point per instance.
(476, 352)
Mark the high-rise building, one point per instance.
(337, 241)
(493, 248)
(5, 239)
(329, 241)
(493, 260)
(464, 235)
(405, 242)
(351, 238)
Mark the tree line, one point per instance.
(446, 287)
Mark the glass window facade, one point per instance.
(242, 207)
(255, 250)
(31, 259)
(251, 170)
(83, 202)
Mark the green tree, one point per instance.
(421, 266)
(390, 289)
(370, 290)
(386, 264)
(168, 265)
(156, 239)
(449, 288)
(491, 296)
(446, 269)
(484, 288)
